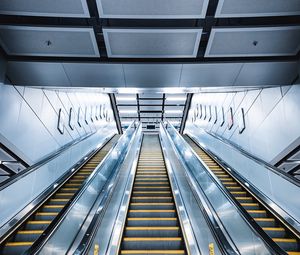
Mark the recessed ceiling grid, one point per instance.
(150, 109)
(153, 31)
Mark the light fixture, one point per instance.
(173, 111)
(126, 98)
(175, 99)
(127, 111)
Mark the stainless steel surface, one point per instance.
(273, 188)
(114, 234)
(76, 214)
(242, 234)
(154, 75)
(196, 231)
(44, 178)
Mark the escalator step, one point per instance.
(288, 244)
(275, 232)
(151, 213)
(152, 231)
(152, 243)
(265, 222)
(145, 206)
(152, 222)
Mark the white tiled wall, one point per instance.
(28, 119)
(271, 117)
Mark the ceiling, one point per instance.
(150, 109)
(141, 43)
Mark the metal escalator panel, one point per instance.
(152, 224)
(267, 221)
(38, 222)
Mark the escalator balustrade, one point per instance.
(37, 223)
(267, 221)
(152, 224)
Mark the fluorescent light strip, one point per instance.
(173, 111)
(175, 99)
(126, 98)
(128, 111)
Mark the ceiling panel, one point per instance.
(95, 75)
(256, 41)
(152, 43)
(48, 41)
(149, 75)
(150, 108)
(197, 75)
(150, 102)
(155, 9)
(267, 73)
(257, 8)
(61, 8)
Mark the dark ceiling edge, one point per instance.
(186, 112)
(112, 98)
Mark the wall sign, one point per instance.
(216, 114)
(86, 115)
(241, 121)
(230, 118)
(60, 122)
(71, 118)
(79, 114)
(209, 112)
(222, 117)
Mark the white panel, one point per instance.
(152, 43)
(155, 9)
(256, 41)
(209, 74)
(61, 8)
(37, 74)
(48, 41)
(257, 8)
(98, 75)
(267, 73)
(149, 75)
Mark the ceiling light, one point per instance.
(126, 98)
(176, 98)
(173, 111)
(128, 111)
(174, 122)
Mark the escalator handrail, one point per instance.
(8, 228)
(282, 215)
(41, 241)
(211, 216)
(43, 161)
(272, 246)
(263, 163)
(85, 243)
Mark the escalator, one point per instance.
(25, 236)
(152, 225)
(272, 226)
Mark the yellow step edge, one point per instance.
(273, 229)
(151, 203)
(153, 252)
(149, 192)
(264, 219)
(39, 222)
(14, 244)
(151, 187)
(151, 219)
(151, 179)
(256, 211)
(47, 214)
(64, 194)
(139, 239)
(249, 204)
(30, 232)
(238, 192)
(150, 211)
(293, 253)
(243, 198)
(59, 199)
(284, 240)
(152, 183)
(152, 228)
(53, 206)
(69, 189)
(151, 197)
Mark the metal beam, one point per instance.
(138, 106)
(114, 107)
(186, 112)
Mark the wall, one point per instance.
(271, 118)
(29, 119)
